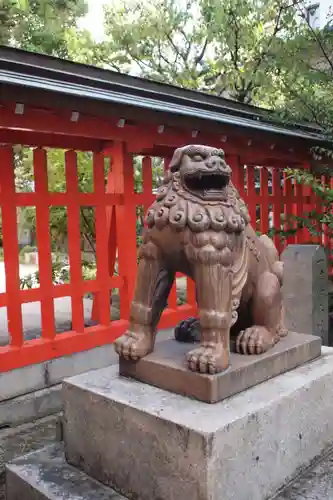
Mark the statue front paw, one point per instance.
(255, 340)
(210, 358)
(133, 345)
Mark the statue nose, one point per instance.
(211, 163)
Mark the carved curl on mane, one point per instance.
(178, 208)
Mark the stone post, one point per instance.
(305, 290)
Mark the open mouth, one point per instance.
(206, 184)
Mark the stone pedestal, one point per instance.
(166, 368)
(305, 290)
(150, 444)
(45, 475)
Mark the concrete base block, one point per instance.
(30, 407)
(305, 290)
(166, 368)
(45, 475)
(26, 438)
(150, 444)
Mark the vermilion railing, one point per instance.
(115, 225)
(115, 203)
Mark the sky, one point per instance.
(93, 21)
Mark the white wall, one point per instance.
(321, 10)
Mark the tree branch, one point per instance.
(87, 224)
(235, 54)
(174, 46)
(305, 103)
(201, 54)
(316, 37)
(270, 41)
(188, 48)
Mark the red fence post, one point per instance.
(102, 242)
(308, 206)
(277, 205)
(264, 201)
(122, 168)
(74, 240)
(10, 246)
(44, 243)
(237, 173)
(251, 194)
(288, 207)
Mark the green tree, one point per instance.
(306, 86)
(306, 93)
(39, 25)
(220, 47)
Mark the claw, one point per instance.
(255, 340)
(208, 359)
(133, 347)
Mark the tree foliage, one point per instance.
(221, 47)
(39, 25)
(306, 88)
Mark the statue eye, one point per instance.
(197, 157)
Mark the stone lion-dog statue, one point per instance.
(200, 226)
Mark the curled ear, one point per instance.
(176, 159)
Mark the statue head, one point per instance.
(203, 171)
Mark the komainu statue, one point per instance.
(200, 226)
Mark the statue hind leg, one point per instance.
(267, 317)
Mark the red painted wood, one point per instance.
(317, 201)
(65, 344)
(125, 223)
(277, 206)
(147, 180)
(84, 199)
(237, 173)
(141, 135)
(330, 233)
(39, 350)
(251, 194)
(44, 244)
(288, 207)
(326, 232)
(11, 248)
(47, 121)
(102, 243)
(74, 240)
(51, 140)
(111, 230)
(264, 206)
(307, 206)
(298, 209)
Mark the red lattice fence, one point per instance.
(114, 200)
